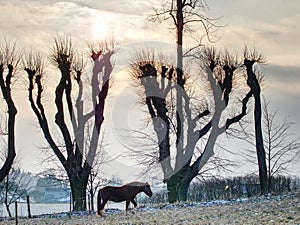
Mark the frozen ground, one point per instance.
(284, 209)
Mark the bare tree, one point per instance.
(205, 123)
(182, 14)
(9, 59)
(15, 186)
(96, 177)
(71, 66)
(281, 145)
(185, 17)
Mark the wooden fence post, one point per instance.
(70, 204)
(89, 203)
(16, 212)
(28, 207)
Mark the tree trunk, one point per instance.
(12, 112)
(8, 210)
(6, 201)
(178, 188)
(261, 155)
(178, 185)
(172, 189)
(78, 188)
(92, 200)
(183, 190)
(260, 151)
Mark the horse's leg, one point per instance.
(134, 203)
(101, 207)
(98, 204)
(127, 205)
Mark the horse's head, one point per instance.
(147, 189)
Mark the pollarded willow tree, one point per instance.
(177, 152)
(183, 14)
(72, 115)
(252, 57)
(9, 59)
(185, 17)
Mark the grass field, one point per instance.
(267, 210)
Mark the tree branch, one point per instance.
(40, 113)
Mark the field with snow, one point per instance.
(283, 209)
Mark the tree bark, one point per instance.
(261, 155)
(183, 190)
(178, 185)
(78, 188)
(172, 189)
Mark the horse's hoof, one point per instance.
(101, 214)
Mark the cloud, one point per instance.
(282, 89)
(132, 7)
(277, 45)
(37, 22)
(284, 80)
(271, 26)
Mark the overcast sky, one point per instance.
(272, 26)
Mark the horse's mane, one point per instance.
(136, 183)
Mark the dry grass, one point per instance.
(274, 211)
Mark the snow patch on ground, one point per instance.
(178, 206)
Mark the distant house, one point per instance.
(54, 195)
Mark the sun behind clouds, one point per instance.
(99, 29)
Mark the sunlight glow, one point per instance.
(99, 29)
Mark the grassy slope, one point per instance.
(274, 211)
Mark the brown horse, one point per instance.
(126, 193)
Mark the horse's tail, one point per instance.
(99, 203)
